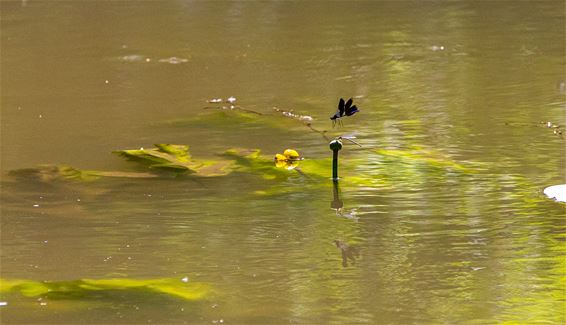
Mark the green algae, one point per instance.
(104, 288)
(377, 168)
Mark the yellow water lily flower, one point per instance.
(291, 154)
(280, 158)
(287, 164)
(280, 163)
(289, 159)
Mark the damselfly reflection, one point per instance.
(344, 109)
(349, 252)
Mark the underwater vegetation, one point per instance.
(51, 173)
(166, 160)
(104, 288)
(177, 158)
(416, 155)
(367, 167)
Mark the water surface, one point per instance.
(464, 83)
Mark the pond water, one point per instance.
(443, 218)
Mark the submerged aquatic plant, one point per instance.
(251, 161)
(50, 173)
(228, 117)
(176, 157)
(99, 288)
(429, 158)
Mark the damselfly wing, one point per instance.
(345, 108)
(352, 110)
(349, 137)
(340, 112)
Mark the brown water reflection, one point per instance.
(452, 225)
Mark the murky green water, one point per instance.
(443, 213)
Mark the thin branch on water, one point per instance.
(233, 108)
(305, 119)
(322, 133)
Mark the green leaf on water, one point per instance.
(319, 168)
(178, 150)
(251, 161)
(163, 156)
(245, 155)
(104, 288)
(175, 157)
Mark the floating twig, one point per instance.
(322, 133)
(234, 107)
(306, 119)
(290, 114)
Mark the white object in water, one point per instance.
(557, 192)
(174, 60)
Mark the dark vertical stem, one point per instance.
(335, 145)
(335, 165)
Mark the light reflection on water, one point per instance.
(455, 230)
